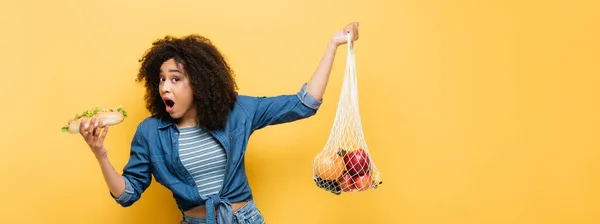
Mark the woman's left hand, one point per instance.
(340, 37)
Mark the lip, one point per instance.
(168, 108)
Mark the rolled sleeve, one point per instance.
(283, 108)
(308, 99)
(137, 172)
(126, 195)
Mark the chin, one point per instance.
(175, 115)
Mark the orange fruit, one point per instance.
(329, 166)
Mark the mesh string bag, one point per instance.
(345, 165)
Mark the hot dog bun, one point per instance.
(107, 116)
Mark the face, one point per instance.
(176, 91)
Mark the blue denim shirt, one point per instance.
(154, 152)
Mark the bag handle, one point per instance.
(347, 118)
(353, 82)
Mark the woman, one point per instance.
(195, 140)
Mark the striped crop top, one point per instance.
(204, 158)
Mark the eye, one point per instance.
(174, 79)
(162, 79)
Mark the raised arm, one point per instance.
(306, 102)
(318, 82)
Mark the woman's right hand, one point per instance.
(94, 136)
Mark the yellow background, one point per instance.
(474, 111)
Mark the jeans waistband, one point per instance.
(237, 215)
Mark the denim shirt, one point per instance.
(154, 152)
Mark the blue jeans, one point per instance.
(247, 214)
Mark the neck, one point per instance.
(188, 119)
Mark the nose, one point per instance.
(165, 87)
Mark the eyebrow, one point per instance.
(175, 70)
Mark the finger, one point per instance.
(348, 30)
(82, 126)
(103, 136)
(355, 31)
(97, 131)
(91, 125)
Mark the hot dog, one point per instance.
(106, 115)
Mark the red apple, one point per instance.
(357, 162)
(363, 182)
(346, 183)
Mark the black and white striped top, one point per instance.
(204, 158)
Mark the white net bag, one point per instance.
(344, 164)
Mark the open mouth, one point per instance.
(169, 105)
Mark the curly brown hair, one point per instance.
(211, 78)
